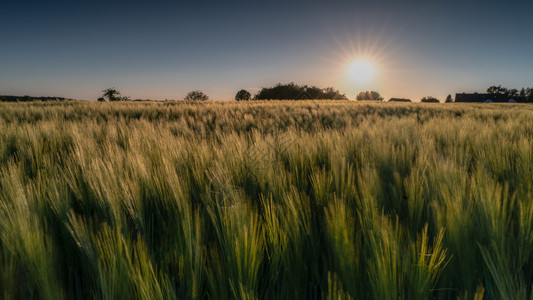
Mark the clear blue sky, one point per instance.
(164, 49)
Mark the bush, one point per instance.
(369, 95)
(243, 95)
(112, 94)
(196, 96)
(430, 99)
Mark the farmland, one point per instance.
(266, 200)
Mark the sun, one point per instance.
(361, 71)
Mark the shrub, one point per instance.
(196, 96)
(112, 94)
(243, 95)
(449, 99)
(430, 99)
(369, 95)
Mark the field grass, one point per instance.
(266, 200)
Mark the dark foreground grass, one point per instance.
(282, 200)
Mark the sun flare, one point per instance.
(361, 71)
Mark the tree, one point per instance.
(369, 95)
(529, 95)
(101, 99)
(196, 96)
(293, 91)
(526, 94)
(513, 93)
(111, 94)
(243, 95)
(448, 99)
(331, 93)
(429, 99)
(497, 90)
(280, 92)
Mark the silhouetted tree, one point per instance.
(196, 96)
(513, 93)
(529, 95)
(331, 93)
(101, 99)
(430, 99)
(497, 90)
(449, 99)
(399, 100)
(112, 94)
(289, 91)
(6, 98)
(525, 93)
(293, 91)
(369, 95)
(243, 95)
(311, 92)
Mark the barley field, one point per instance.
(266, 200)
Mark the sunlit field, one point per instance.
(266, 200)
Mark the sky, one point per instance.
(164, 49)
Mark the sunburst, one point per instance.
(361, 71)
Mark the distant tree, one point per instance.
(101, 99)
(525, 93)
(430, 99)
(328, 93)
(331, 93)
(293, 91)
(311, 92)
(448, 99)
(497, 90)
(5, 98)
(399, 100)
(243, 95)
(529, 95)
(513, 92)
(369, 95)
(280, 91)
(112, 94)
(509, 92)
(196, 96)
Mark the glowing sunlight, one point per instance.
(361, 71)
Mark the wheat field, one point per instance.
(266, 200)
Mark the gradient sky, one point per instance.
(164, 49)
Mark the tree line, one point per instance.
(280, 91)
(525, 93)
(290, 91)
(29, 98)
